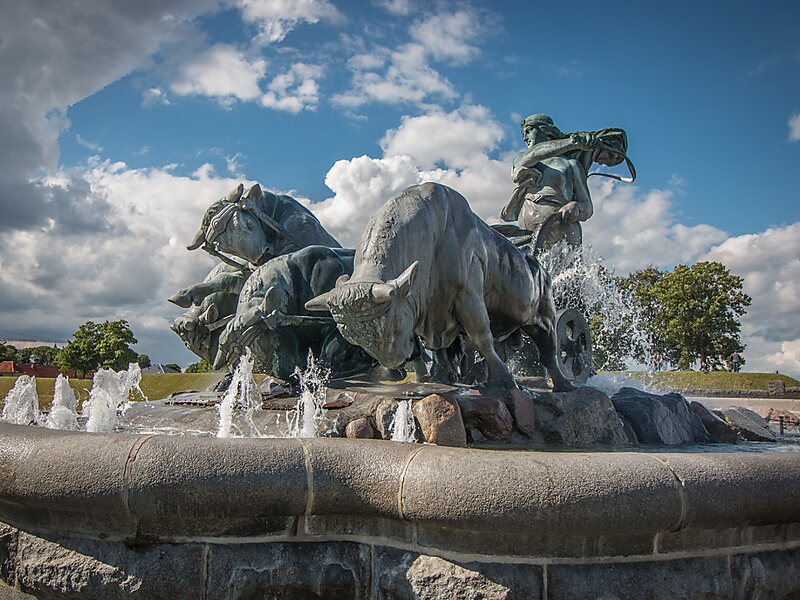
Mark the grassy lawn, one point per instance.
(155, 386)
(715, 380)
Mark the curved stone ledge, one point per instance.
(157, 488)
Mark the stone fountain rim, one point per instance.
(162, 488)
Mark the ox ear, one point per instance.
(273, 300)
(320, 303)
(235, 194)
(403, 284)
(254, 193)
(211, 314)
(342, 280)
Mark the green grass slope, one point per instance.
(714, 380)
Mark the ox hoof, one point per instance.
(564, 386)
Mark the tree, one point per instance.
(94, 346)
(694, 313)
(144, 361)
(199, 367)
(114, 345)
(7, 352)
(42, 355)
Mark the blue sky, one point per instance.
(127, 120)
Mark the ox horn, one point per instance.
(235, 194)
(210, 315)
(402, 285)
(199, 240)
(320, 303)
(382, 292)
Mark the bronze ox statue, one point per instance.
(258, 226)
(428, 266)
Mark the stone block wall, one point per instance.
(115, 516)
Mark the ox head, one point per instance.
(233, 230)
(376, 315)
(194, 328)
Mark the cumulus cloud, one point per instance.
(794, 128)
(769, 262)
(294, 90)
(222, 72)
(413, 153)
(447, 35)
(633, 229)
(155, 96)
(53, 279)
(395, 7)
(275, 19)
(404, 75)
(87, 144)
(80, 60)
(458, 138)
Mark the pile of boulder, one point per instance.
(535, 417)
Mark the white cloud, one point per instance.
(411, 153)
(78, 50)
(222, 72)
(447, 35)
(88, 144)
(404, 75)
(408, 78)
(275, 19)
(458, 138)
(395, 7)
(769, 262)
(632, 229)
(295, 89)
(155, 96)
(54, 280)
(794, 128)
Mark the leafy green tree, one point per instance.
(144, 361)
(43, 355)
(199, 367)
(114, 345)
(7, 352)
(105, 345)
(81, 353)
(694, 313)
(175, 366)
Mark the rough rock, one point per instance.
(520, 404)
(749, 425)
(660, 419)
(582, 417)
(70, 568)
(384, 415)
(718, 428)
(488, 415)
(360, 428)
(405, 575)
(440, 421)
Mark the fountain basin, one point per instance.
(106, 515)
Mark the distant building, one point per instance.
(9, 367)
(20, 344)
(160, 369)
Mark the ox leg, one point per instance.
(472, 315)
(543, 333)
